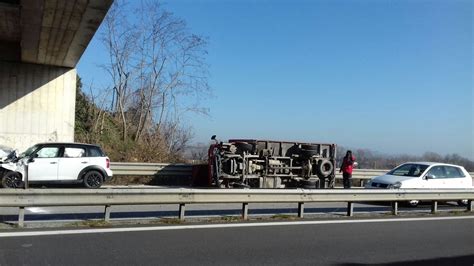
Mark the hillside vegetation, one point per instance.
(156, 74)
(98, 126)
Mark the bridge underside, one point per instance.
(48, 32)
(41, 42)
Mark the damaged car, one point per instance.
(56, 163)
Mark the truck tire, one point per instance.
(309, 147)
(240, 185)
(244, 147)
(308, 153)
(325, 168)
(309, 184)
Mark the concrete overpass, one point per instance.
(41, 42)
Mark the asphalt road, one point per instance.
(425, 242)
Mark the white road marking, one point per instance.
(213, 226)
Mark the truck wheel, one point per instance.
(244, 146)
(325, 168)
(309, 184)
(240, 185)
(308, 153)
(12, 180)
(309, 147)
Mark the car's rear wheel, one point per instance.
(12, 180)
(93, 179)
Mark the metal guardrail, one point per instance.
(185, 170)
(150, 169)
(109, 197)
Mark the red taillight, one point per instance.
(107, 163)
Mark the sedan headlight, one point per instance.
(395, 186)
(368, 184)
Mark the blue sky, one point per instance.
(392, 76)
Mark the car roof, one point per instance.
(67, 143)
(433, 163)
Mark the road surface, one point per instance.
(432, 241)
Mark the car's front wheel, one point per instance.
(12, 180)
(463, 202)
(93, 179)
(413, 203)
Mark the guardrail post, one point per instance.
(395, 208)
(245, 211)
(182, 210)
(27, 182)
(300, 209)
(107, 213)
(469, 205)
(434, 207)
(21, 217)
(350, 208)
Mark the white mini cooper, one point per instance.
(57, 163)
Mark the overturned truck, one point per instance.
(271, 164)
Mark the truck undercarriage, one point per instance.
(271, 164)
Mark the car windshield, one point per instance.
(409, 169)
(29, 151)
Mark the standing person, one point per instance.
(346, 169)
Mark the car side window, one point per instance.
(70, 152)
(48, 152)
(95, 152)
(437, 172)
(453, 172)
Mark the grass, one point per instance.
(171, 221)
(231, 218)
(284, 217)
(459, 212)
(92, 223)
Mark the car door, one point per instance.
(43, 165)
(72, 162)
(436, 177)
(456, 178)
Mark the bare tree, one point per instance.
(120, 40)
(154, 62)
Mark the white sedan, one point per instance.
(424, 175)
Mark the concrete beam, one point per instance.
(49, 32)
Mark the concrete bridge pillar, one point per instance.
(37, 104)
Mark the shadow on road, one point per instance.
(460, 260)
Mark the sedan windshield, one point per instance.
(409, 169)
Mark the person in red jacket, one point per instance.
(346, 169)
